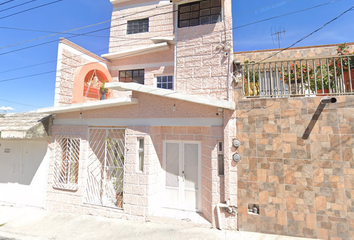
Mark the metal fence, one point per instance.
(301, 77)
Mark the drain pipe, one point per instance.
(222, 205)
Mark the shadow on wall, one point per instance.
(20, 161)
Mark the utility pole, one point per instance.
(278, 33)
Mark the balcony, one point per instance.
(323, 76)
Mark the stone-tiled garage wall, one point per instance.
(304, 187)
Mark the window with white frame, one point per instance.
(199, 13)
(220, 158)
(136, 76)
(165, 82)
(141, 154)
(66, 162)
(138, 26)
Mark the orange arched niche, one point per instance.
(84, 74)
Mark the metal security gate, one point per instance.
(105, 169)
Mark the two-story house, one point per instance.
(162, 135)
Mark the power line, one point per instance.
(65, 32)
(286, 14)
(92, 25)
(318, 29)
(146, 38)
(29, 9)
(18, 103)
(18, 5)
(6, 2)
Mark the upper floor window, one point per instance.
(199, 13)
(136, 76)
(165, 82)
(138, 26)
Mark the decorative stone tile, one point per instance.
(332, 227)
(331, 202)
(270, 170)
(347, 145)
(247, 169)
(298, 172)
(272, 196)
(328, 174)
(301, 225)
(269, 145)
(325, 147)
(272, 221)
(300, 199)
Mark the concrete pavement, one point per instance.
(34, 224)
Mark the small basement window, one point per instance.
(138, 26)
(199, 13)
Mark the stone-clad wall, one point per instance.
(302, 182)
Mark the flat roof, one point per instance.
(171, 94)
(89, 105)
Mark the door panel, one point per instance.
(182, 165)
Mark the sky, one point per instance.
(28, 68)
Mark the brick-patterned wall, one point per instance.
(160, 25)
(70, 62)
(303, 183)
(202, 63)
(143, 190)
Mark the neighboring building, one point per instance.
(163, 137)
(24, 158)
(297, 167)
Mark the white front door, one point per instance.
(183, 175)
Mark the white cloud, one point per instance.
(6, 108)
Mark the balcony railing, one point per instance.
(301, 77)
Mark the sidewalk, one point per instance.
(35, 224)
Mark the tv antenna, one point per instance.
(279, 33)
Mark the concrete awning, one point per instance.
(137, 51)
(171, 94)
(25, 125)
(115, 102)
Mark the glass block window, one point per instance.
(199, 13)
(138, 26)
(136, 76)
(165, 82)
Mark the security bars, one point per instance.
(66, 162)
(105, 170)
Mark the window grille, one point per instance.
(199, 13)
(66, 162)
(138, 26)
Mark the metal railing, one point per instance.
(298, 77)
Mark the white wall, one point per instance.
(23, 171)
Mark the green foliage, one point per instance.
(103, 90)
